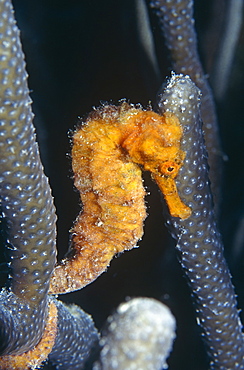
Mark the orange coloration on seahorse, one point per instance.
(107, 155)
(34, 358)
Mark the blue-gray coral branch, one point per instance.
(199, 242)
(26, 201)
(75, 338)
(178, 26)
(27, 205)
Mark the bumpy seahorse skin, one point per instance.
(107, 153)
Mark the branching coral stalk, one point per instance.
(226, 51)
(198, 240)
(26, 202)
(75, 337)
(27, 205)
(177, 22)
(139, 335)
(33, 358)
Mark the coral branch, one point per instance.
(34, 358)
(177, 22)
(27, 205)
(226, 51)
(26, 202)
(75, 337)
(198, 240)
(139, 335)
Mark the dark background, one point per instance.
(80, 53)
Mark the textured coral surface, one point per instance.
(75, 60)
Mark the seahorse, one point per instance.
(109, 152)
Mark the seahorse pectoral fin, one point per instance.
(167, 186)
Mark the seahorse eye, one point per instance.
(169, 168)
